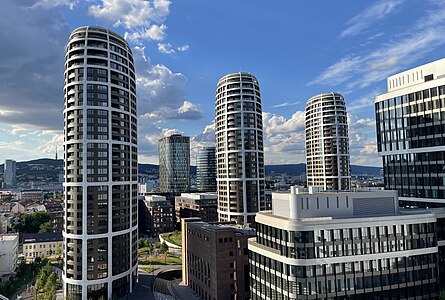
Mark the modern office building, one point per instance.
(197, 205)
(206, 170)
(174, 164)
(215, 261)
(9, 173)
(327, 142)
(160, 215)
(410, 134)
(100, 165)
(343, 245)
(239, 150)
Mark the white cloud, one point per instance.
(361, 70)
(165, 48)
(51, 146)
(183, 48)
(369, 16)
(154, 32)
(162, 94)
(363, 102)
(131, 14)
(54, 3)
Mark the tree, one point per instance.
(46, 227)
(31, 223)
(163, 250)
(141, 243)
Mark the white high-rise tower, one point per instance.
(327, 142)
(100, 165)
(239, 150)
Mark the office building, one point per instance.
(159, 214)
(197, 205)
(327, 142)
(100, 165)
(410, 120)
(239, 150)
(9, 173)
(9, 253)
(174, 164)
(343, 245)
(215, 261)
(206, 170)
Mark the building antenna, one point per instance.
(56, 153)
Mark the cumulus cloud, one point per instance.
(165, 48)
(284, 138)
(162, 94)
(51, 146)
(131, 13)
(154, 32)
(362, 69)
(371, 15)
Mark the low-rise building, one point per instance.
(32, 195)
(9, 252)
(199, 205)
(215, 261)
(343, 245)
(159, 215)
(42, 245)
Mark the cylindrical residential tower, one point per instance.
(327, 142)
(206, 170)
(239, 151)
(174, 164)
(100, 165)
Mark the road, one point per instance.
(143, 289)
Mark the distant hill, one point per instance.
(49, 169)
(296, 169)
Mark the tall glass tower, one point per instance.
(239, 150)
(206, 170)
(100, 165)
(9, 173)
(327, 142)
(174, 164)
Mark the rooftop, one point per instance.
(43, 237)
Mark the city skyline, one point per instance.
(181, 52)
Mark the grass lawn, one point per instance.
(174, 237)
(147, 269)
(161, 260)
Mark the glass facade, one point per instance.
(174, 164)
(322, 270)
(410, 134)
(206, 170)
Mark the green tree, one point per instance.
(46, 227)
(30, 223)
(163, 250)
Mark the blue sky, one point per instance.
(296, 49)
